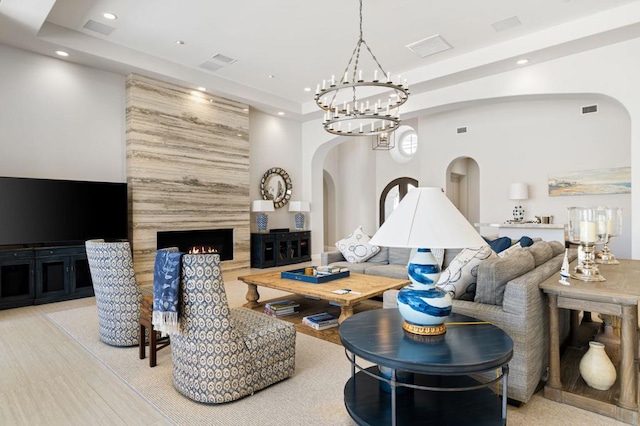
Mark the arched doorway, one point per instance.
(463, 187)
(329, 209)
(392, 194)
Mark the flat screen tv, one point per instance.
(50, 212)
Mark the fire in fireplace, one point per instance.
(208, 241)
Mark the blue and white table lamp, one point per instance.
(261, 207)
(426, 219)
(300, 207)
(518, 192)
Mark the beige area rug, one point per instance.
(313, 396)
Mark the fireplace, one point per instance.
(220, 240)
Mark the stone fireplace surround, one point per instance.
(187, 168)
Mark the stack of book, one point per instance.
(281, 308)
(320, 321)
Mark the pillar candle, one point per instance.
(587, 232)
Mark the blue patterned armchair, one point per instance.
(116, 290)
(222, 354)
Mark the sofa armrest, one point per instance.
(329, 257)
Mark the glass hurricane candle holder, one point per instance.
(583, 230)
(612, 227)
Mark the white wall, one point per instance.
(275, 142)
(525, 141)
(59, 120)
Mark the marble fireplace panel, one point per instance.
(187, 167)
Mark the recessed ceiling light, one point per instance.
(245, 109)
(307, 89)
(110, 16)
(61, 53)
(202, 89)
(272, 76)
(522, 61)
(281, 113)
(179, 42)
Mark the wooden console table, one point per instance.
(618, 296)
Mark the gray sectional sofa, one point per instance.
(507, 295)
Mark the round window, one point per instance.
(406, 144)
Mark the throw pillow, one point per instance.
(499, 244)
(460, 277)
(356, 248)
(522, 242)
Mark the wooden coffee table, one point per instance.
(362, 287)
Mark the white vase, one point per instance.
(596, 368)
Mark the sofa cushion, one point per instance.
(357, 268)
(382, 257)
(494, 274)
(356, 248)
(389, 271)
(541, 251)
(460, 277)
(557, 247)
(399, 255)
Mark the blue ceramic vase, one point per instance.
(422, 305)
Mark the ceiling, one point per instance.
(300, 43)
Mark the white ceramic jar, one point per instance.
(596, 368)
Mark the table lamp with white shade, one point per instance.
(261, 207)
(426, 219)
(518, 192)
(300, 207)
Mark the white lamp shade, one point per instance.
(426, 218)
(262, 206)
(298, 206)
(518, 191)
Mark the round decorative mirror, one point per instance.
(276, 185)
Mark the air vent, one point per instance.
(461, 130)
(211, 66)
(589, 109)
(506, 24)
(223, 58)
(98, 27)
(429, 46)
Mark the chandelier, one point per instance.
(349, 111)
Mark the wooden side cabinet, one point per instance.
(280, 248)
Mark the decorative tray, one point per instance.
(299, 275)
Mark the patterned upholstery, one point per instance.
(222, 354)
(116, 290)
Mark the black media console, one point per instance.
(33, 276)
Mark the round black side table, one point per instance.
(425, 380)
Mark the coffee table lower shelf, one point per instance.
(368, 404)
